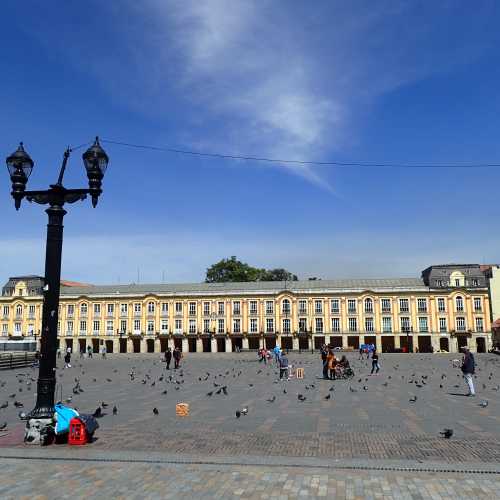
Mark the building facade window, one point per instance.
(285, 306)
(478, 304)
(164, 308)
(405, 324)
(386, 324)
(459, 302)
(192, 326)
(351, 306)
(71, 310)
(369, 325)
(302, 306)
(5, 311)
(404, 305)
(110, 309)
(269, 325)
(123, 326)
(479, 325)
(443, 326)
(353, 325)
(318, 307)
(164, 326)
(386, 305)
(123, 309)
(150, 327)
(441, 304)
(151, 307)
(19, 310)
(97, 309)
(220, 307)
(318, 323)
(369, 306)
(31, 311)
(253, 325)
(336, 325)
(69, 327)
(83, 327)
(178, 308)
(137, 309)
(206, 326)
(178, 326)
(286, 325)
(253, 307)
(269, 307)
(421, 305)
(303, 325)
(192, 308)
(461, 324)
(236, 308)
(335, 306)
(206, 308)
(5, 329)
(137, 326)
(109, 327)
(423, 326)
(237, 325)
(220, 325)
(97, 327)
(83, 309)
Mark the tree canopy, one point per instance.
(232, 269)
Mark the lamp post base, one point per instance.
(40, 431)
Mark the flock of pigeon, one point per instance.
(17, 388)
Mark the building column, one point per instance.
(344, 342)
(130, 345)
(278, 340)
(310, 343)
(229, 345)
(116, 346)
(171, 343)
(435, 342)
(453, 344)
(397, 342)
(157, 345)
(245, 344)
(472, 344)
(185, 345)
(144, 345)
(262, 342)
(199, 345)
(213, 344)
(295, 343)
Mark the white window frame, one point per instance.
(236, 307)
(269, 306)
(404, 305)
(459, 321)
(353, 325)
(318, 306)
(151, 307)
(386, 324)
(221, 325)
(459, 304)
(369, 325)
(192, 308)
(335, 325)
(422, 305)
(302, 306)
(236, 325)
(478, 304)
(423, 324)
(192, 326)
(269, 325)
(253, 326)
(443, 325)
(352, 306)
(368, 306)
(441, 303)
(253, 307)
(286, 326)
(335, 306)
(383, 305)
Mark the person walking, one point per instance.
(324, 360)
(177, 358)
(58, 353)
(277, 354)
(103, 351)
(168, 357)
(89, 351)
(283, 364)
(375, 364)
(67, 360)
(468, 369)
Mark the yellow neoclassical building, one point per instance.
(444, 309)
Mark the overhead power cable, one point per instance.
(300, 162)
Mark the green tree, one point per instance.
(233, 269)
(279, 274)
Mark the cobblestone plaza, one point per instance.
(351, 438)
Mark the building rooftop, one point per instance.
(249, 287)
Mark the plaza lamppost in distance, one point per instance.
(40, 420)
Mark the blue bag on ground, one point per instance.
(64, 414)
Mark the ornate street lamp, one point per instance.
(40, 420)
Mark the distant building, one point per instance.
(492, 273)
(446, 308)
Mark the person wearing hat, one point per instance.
(468, 369)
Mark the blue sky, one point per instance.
(404, 82)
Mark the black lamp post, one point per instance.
(20, 165)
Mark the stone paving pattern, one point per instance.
(365, 418)
(130, 481)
